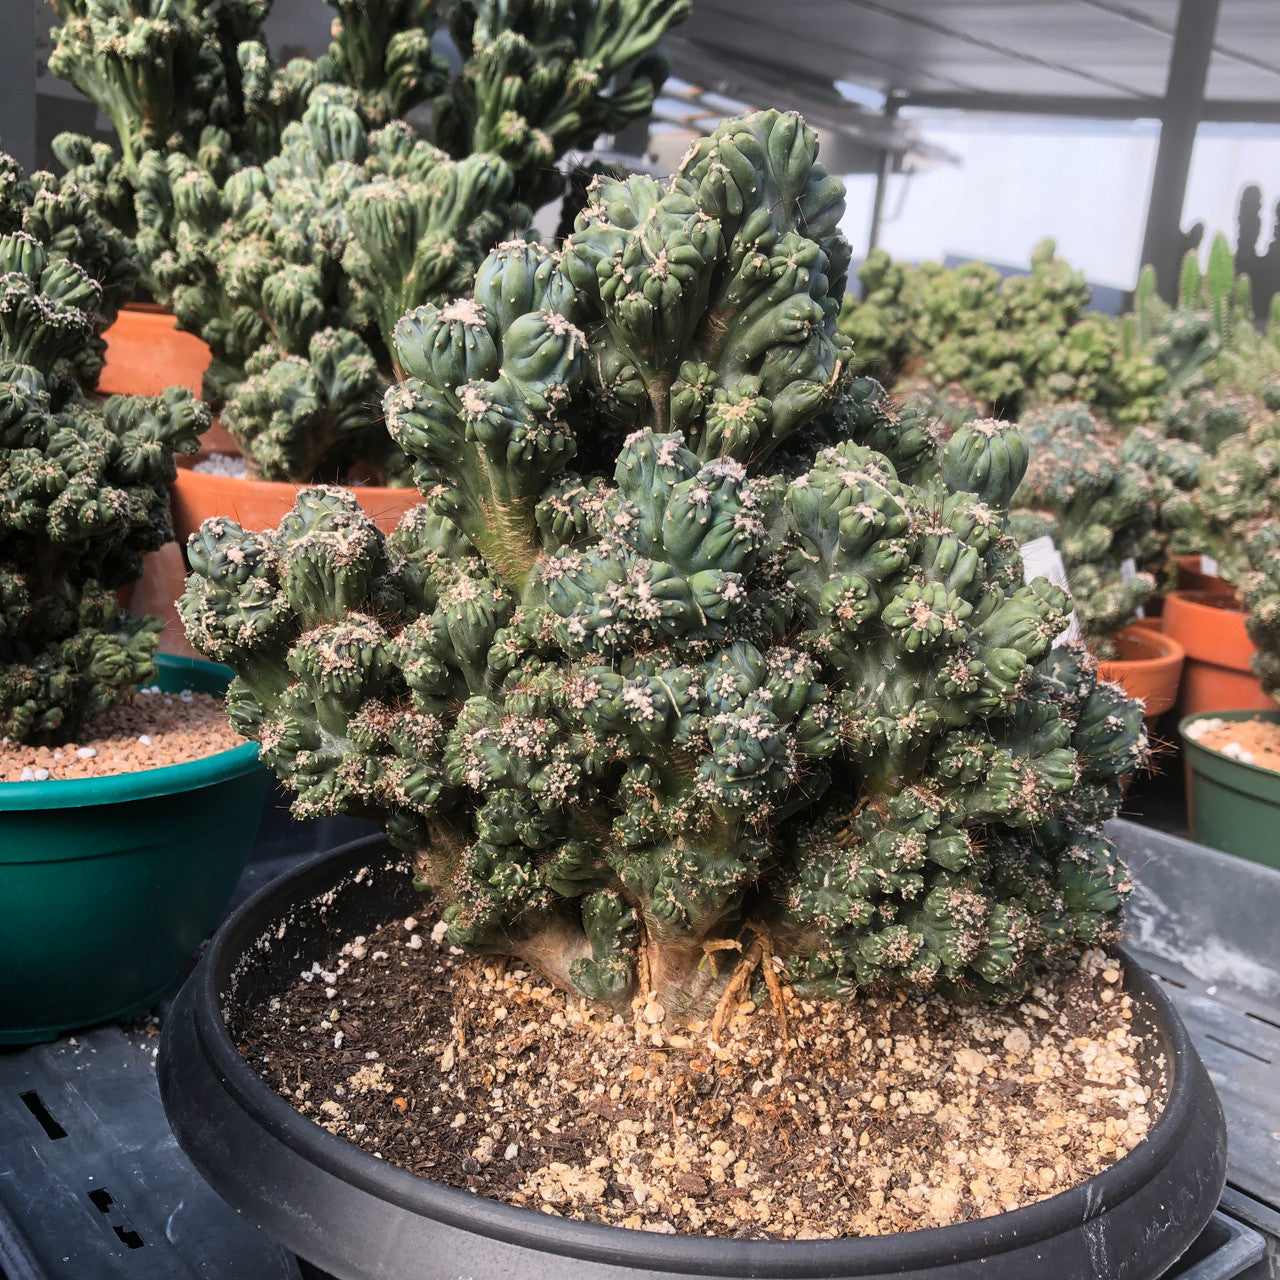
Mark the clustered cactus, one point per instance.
(82, 485)
(1209, 340)
(1260, 594)
(294, 250)
(1238, 489)
(58, 215)
(1091, 492)
(1011, 342)
(696, 656)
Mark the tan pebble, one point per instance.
(654, 1013)
(1018, 1043)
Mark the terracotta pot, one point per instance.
(1217, 675)
(1191, 577)
(1148, 666)
(146, 353)
(164, 574)
(262, 504)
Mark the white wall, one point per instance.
(1083, 182)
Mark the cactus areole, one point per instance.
(697, 665)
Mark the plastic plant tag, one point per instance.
(1209, 565)
(1042, 559)
(1128, 567)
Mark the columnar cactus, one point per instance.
(82, 486)
(696, 656)
(1099, 506)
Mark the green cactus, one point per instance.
(1238, 489)
(1011, 343)
(57, 214)
(1260, 595)
(672, 660)
(82, 486)
(1093, 494)
(294, 251)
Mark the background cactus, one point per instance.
(293, 252)
(1238, 489)
(1011, 342)
(56, 214)
(82, 486)
(696, 655)
(1260, 595)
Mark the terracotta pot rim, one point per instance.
(1152, 677)
(188, 464)
(1163, 651)
(148, 308)
(1200, 598)
(195, 496)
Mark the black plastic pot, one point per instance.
(359, 1218)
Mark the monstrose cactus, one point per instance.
(696, 657)
(290, 219)
(1098, 504)
(82, 486)
(1260, 594)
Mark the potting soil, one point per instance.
(883, 1115)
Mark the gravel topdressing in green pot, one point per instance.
(1233, 805)
(108, 885)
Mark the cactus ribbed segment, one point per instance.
(82, 486)
(694, 642)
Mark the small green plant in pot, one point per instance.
(82, 497)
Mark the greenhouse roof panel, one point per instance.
(1114, 51)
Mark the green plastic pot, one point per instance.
(108, 885)
(1231, 805)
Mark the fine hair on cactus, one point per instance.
(698, 665)
(82, 485)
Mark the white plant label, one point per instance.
(1210, 566)
(1042, 559)
(1128, 568)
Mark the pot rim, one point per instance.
(1169, 650)
(142, 784)
(188, 474)
(1198, 599)
(570, 1239)
(1192, 744)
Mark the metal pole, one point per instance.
(1163, 243)
(892, 105)
(18, 76)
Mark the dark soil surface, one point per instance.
(884, 1115)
